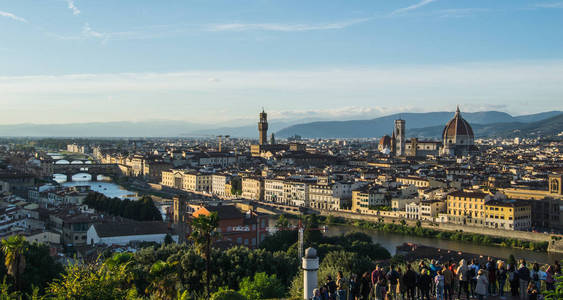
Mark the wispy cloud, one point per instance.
(460, 12)
(297, 93)
(12, 16)
(87, 31)
(284, 27)
(412, 7)
(558, 4)
(72, 6)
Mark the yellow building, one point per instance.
(466, 208)
(512, 215)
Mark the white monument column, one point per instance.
(310, 268)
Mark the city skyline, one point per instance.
(80, 61)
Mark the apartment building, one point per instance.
(273, 191)
(321, 196)
(510, 215)
(253, 188)
(466, 208)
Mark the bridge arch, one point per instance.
(62, 162)
(82, 177)
(77, 162)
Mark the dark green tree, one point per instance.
(204, 230)
(261, 286)
(312, 234)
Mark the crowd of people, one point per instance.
(444, 281)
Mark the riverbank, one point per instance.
(419, 231)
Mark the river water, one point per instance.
(390, 241)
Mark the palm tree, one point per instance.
(203, 232)
(14, 249)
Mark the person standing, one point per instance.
(535, 275)
(410, 279)
(501, 278)
(379, 289)
(448, 282)
(341, 286)
(377, 272)
(393, 279)
(439, 283)
(354, 287)
(513, 280)
(331, 286)
(463, 278)
(524, 279)
(365, 286)
(402, 288)
(472, 277)
(424, 284)
(491, 268)
(482, 285)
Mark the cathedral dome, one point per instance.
(458, 131)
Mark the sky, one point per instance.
(211, 62)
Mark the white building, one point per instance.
(218, 183)
(273, 191)
(125, 233)
(413, 211)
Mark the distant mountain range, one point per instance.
(486, 123)
(546, 127)
(417, 124)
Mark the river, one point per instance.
(391, 240)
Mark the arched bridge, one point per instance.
(92, 169)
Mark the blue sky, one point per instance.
(221, 61)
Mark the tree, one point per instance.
(108, 280)
(227, 294)
(40, 268)
(557, 293)
(236, 186)
(261, 286)
(168, 239)
(203, 232)
(282, 223)
(312, 234)
(14, 249)
(164, 280)
(279, 241)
